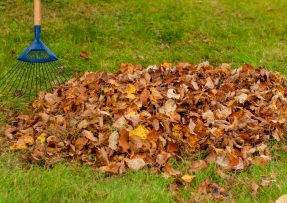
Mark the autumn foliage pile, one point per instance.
(136, 117)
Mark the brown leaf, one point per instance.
(197, 166)
(84, 54)
(162, 158)
(135, 164)
(9, 132)
(144, 97)
(103, 156)
(254, 187)
(26, 139)
(124, 140)
(83, 124)
(208, 186)
(19, 145)
(80, 143)
(89, 135)
(261, 160)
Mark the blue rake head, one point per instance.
(37, 52)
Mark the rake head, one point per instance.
(37, 69)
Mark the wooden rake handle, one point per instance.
(37, 12)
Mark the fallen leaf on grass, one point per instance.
(208, 187)
(282, 199)
(265, 181)
(187, 178)
(85, 54)
(254, 188)
(197, 166)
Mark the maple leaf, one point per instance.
(140, 131)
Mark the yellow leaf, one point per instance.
(42, 138)
(187, 178)
(167, 65)
(177, 130)
(140, 131)
(130, 90)
(19, 145)
(131, 113)
(36, 104)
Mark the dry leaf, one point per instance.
(89, 135)
(130, 91)
(135, 164)
(84, 54)
(140, 131)
(241, 98)
(113, 140)
(42, 138)
(168, 107)
(172, 95)
(282, 199)
(19, 145)
(26, 139)
(124, 140)
(187, 178)
(197, 166)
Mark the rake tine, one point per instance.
(20, 81)
(26, 80)
(31, 81)
(55, 68)
(54, 77)
(15, 79)
(36, 76)
(68, 74)
(59, 79)
(10, 75)
(48, 76)
(44, 77)
(65, 73)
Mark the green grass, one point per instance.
(145, 32)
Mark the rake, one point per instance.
(37, 68)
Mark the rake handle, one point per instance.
(37, 12)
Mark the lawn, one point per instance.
(145, 32)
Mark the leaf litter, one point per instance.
(137, 117)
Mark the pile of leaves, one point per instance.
(136, 117)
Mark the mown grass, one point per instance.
(145, 32)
